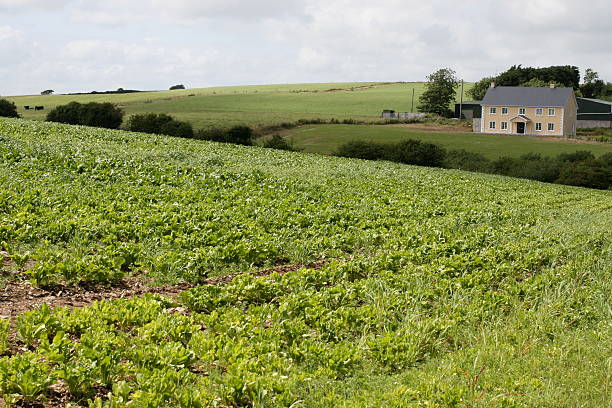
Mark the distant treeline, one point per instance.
(580, 168)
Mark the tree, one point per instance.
(8, 109)
(537, 82)
(593, 87)
(47, 92)
(180, 86)
(439, 93)
(478, 91)
(562, 76)
(590, 76)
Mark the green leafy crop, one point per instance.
(438, 288)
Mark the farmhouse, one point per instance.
(529, 111)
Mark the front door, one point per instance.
(520, 127)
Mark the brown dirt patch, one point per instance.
(154, 100)
(569, 140)
(5, 260)
(435, 127)
(358, 88)
(20, 296)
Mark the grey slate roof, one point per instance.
(526, 96)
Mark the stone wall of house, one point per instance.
(588, 124)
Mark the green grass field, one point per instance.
(326, 139)
(252, 105)
(435, 288)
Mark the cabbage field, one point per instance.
(407, 286)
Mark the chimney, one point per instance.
(552, 86)
(492, 84)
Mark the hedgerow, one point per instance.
(580, 168)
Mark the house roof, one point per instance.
(527, 96)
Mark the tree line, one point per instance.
(567, 76)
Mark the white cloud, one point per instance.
(239, 9)
(24, 5)
(208, 42)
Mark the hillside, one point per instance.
(339, 283)
(251, 105)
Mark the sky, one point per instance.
(86, 45)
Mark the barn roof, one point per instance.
(527, 96)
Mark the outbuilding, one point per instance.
(594, 113)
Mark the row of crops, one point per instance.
(440, 288)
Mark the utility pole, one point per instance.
(461, 101)
(412, 108)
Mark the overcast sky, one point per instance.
(85, 45)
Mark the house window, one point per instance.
(539, 111)
(521, 111)
(551, 111)
(491, 125)
(504, 111)
(493, 111)
(551, 127)
(539, 126)
(504, 126)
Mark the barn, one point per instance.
(594, 113)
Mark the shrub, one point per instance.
(105, 115)
(362, 150)
(69, 113)
(531, 166)
(148, 122)
(278, 142)
(8, 109)
(177, 128)
(180, 86)
(161, 124)
(577, 156)
(242, 135)
(588, 173)
(213, 134)
(464, 160)
(418, 153)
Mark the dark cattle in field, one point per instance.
(26, 107)
(39, 108)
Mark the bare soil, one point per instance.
(357, 88)
(435, 127)
(569, 140)
(19, 296)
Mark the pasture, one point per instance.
(252, 105)
(325, 139)
(377, 284)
